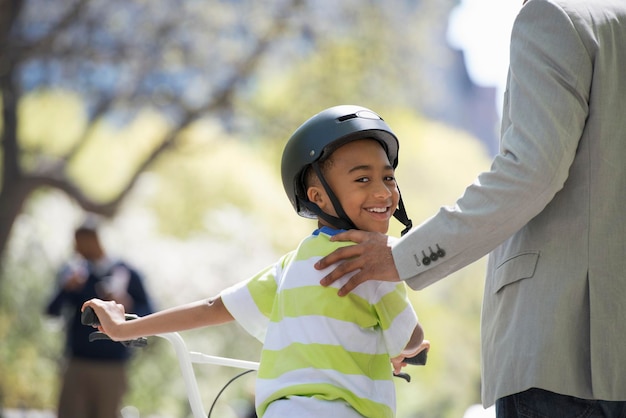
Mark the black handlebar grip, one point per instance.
(89, 317)
(419, 359)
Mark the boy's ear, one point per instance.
(317, 196)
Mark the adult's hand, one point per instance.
(74, 282)
(370, 256)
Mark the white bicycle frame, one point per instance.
(186, 360)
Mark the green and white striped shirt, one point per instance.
(322, 353)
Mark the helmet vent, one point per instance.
(347, 117)
(365, 114)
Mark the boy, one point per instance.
(322, 355)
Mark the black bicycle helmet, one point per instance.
(320, 136)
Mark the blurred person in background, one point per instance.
(551, 214)
(94, 379)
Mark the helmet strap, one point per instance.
(401, 215)
(343, 221)
(332, 220)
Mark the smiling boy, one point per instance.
(322, 355)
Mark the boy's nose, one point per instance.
(382, 190)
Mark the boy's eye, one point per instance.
(367, 179)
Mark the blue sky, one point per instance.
(482, 29)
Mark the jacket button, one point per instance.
(433, 256)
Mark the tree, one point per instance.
(192, 60)
(182, 59)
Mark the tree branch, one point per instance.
(221, 99)
(44, 44)
(33, 182)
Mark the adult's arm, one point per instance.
(141, 301)
(68, 287)
(546, 105)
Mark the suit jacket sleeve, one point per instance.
(545, 108)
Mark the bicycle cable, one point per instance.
(224, 388)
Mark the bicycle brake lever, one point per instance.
(137, 342)
(404, 376)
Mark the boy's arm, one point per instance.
(197, 314)
(414, 345)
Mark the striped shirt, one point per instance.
(322, 352)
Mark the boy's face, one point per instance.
(363, 180)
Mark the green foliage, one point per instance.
(29, 353)
(342, 71)
(211, 172)
(101, 165)
(113, 154)
(60, 121)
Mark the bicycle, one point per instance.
(186, 360)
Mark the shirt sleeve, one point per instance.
(250, 302)
(396, 315)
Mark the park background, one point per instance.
(167, 118)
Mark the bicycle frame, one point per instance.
(186, 360)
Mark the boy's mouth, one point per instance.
(379, 213)
(378, 210)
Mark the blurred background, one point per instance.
(167, 118)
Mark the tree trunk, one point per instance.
(12, 198)
(13, 192)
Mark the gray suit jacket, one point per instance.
(550, 211)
